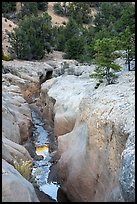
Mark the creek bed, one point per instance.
(42, 161)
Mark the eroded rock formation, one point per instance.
(93, 129)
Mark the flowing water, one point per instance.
(41, 165)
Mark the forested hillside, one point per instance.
(77, 36)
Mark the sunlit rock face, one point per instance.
(91, 150)
(28, 76)
(16, 120)
(19, 84)
(27, 70)
(16, 114)
(61, 97)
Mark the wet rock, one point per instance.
(30, 146)
(38, 157)
(61, 196)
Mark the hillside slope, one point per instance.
(56, 19)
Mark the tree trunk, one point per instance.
(65, 8)
(128, 60)
(18, 6)
(108, 78)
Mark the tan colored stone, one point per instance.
(90, 152)
(15, 188)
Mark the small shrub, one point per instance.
(5, 57)
(8, 7)
(24, 168)
(42, 6)
(58, 9)
(97, 85)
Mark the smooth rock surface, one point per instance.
(14, 187)
(91, 149)
(16, 114)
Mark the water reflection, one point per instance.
(42, 165)
(42, 150)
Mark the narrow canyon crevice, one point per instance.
(88, 133)
(43, 138)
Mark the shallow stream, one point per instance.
(42, 161)
(41, 167)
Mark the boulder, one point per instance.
(70, 67)
(16, 120)
(15, 188)
(16, 114)
(27, 70)
(27, 75)
(12, 151)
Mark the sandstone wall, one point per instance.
(93, 129)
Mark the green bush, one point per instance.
(59, 38)
(8, 7)
(80, 11)
(42, 6)
(74, 47)
(58, 9)
(28, 9)
(32, 37)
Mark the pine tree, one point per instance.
(43, 6)
(8, 7)
(80, 11)
(28, 9)
(104, 59)
(128, 44)
(32, 37)
(58, 9)
(75, 47)
(71, 29)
